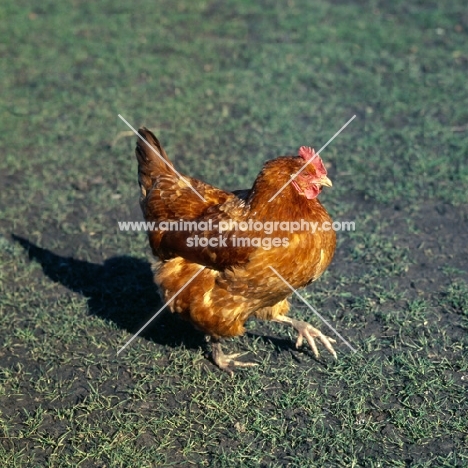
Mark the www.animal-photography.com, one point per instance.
(234, 233)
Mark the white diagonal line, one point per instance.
(163, 160)
(159, 311)
(311, 159)
(314, 311)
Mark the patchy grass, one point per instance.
(226, 87)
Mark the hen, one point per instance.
(226, 256)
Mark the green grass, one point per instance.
(226, 87)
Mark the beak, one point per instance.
(324, 180)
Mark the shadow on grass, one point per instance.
(120, 290)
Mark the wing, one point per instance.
(210, 239)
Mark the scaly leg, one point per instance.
(308, 332)
(223, 361)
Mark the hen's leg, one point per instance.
(224, 361)
(310, 333)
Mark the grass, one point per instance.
(227, 87)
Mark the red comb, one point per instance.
(308, 154)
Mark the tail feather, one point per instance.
(152, 160)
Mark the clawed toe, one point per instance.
(226, 361)
(311, 334)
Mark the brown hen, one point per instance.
(239, 276)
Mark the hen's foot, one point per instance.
(307, 331)
(225, 361)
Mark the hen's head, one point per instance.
(311, 179)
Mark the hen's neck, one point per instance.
(288, 205)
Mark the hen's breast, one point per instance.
(302, 257)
